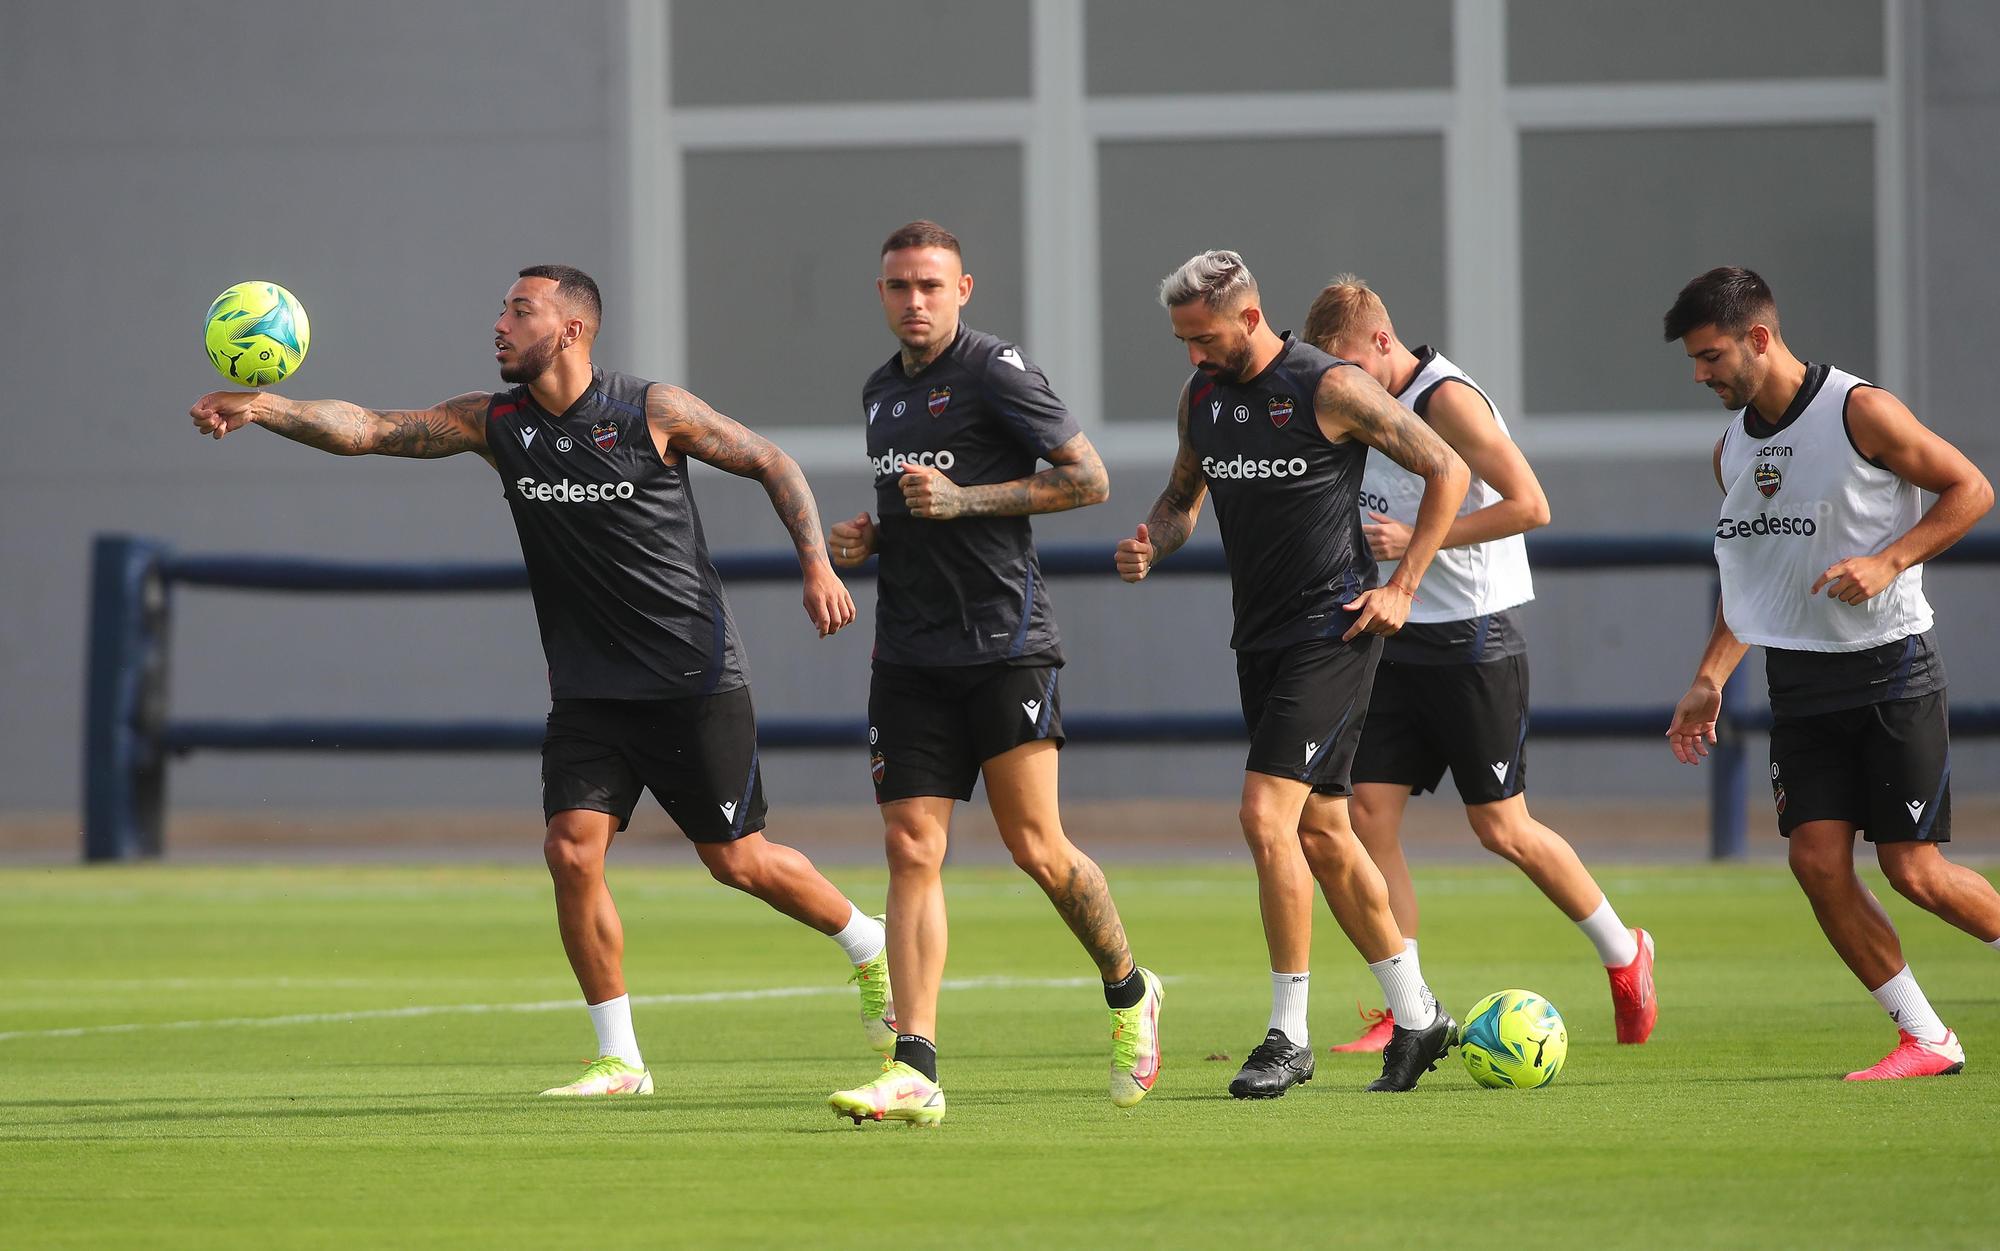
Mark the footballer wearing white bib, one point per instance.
(1821, 542)
(1451, 691)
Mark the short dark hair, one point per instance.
(921, 233)
(1729, 297)
(572, 284)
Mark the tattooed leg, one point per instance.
(1021, 787)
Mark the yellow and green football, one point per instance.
(256, 333)
(1513, 1039)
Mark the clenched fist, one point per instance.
(851, 542)
(1135, 556)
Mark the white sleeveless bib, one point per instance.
(1795, 504)
(1462, 582)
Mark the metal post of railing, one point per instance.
(1729, 783)
(125, 771)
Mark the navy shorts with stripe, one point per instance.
(932, 727)
(698, 755)
(1304, 706)
(1883, 768)
(1471, 719)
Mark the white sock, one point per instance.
(1904, 1001)
(1615, 945)
(1404, 990)
(863, 938)
(612, 1020)
(1410, 945)
(1995, 944)
(1288, 1005)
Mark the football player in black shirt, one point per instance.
(967, 653)
(1278, 431)
(645, 670)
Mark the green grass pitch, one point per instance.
(395, 1106)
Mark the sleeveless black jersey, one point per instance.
(966, 591)
(1286, 499)
(629, 604)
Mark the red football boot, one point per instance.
(1381, 1024)
(1632, 996)
(1913, 1057)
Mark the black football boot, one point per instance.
(1274, 1067)
(1411, 1053)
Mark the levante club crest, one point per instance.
(938, 399)
(1281, 409)
(1768, 480)
(605, 435)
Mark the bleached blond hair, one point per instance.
(1217, 278)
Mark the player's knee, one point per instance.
(913, 849)
(735, 871)
(1368, 816)
(1047, 856)
(1264, 826)
(1921, 884)
(1502, 839)
(1328, 849)
(1817, 869)
(570, 859)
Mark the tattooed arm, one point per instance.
(457, 425)
(683, 425)
(1174, 513)
(1350, 404)
(1075, 478)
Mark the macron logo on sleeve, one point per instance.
(1009, 356)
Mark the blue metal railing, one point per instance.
(129, 738)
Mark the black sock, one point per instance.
(919, 1053)
(1127, 990)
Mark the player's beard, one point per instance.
(1737, 390)
(1235, 364)
(531, 362)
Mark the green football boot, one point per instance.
(899, 1094)
(607, 1075)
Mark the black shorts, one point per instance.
(930, 728)
(1304, 705)
(697, 755)
(1884, 768)
(1471, 719)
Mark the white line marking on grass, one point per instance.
(544, 1005)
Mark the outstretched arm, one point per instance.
(457, 425)
(1350, 403)
(1174, 514)
(681, 423)
(1075, 478)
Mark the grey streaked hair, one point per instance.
(1217, 278)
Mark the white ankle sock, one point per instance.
(1904, 1001)
(1410, 945)
(1615, 945)
(1404, 990)
(863, 938)
(612, 1020)
(1995, 944)
(1288, 1005)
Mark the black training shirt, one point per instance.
(1286, 499)
(966, 591)
(630, 606)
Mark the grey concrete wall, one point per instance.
(394, 163)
